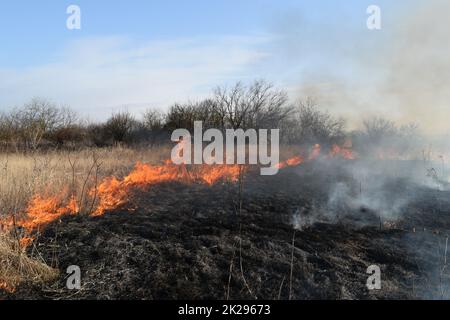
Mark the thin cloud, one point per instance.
(96, 75)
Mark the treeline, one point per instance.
(41, 124)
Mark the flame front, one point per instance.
(315, 152)
(112, 193)
(337, 151)
(6, 287)
(294, 161)
(44, 210)
(345, 152)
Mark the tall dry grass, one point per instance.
(17, 268)
(23, 175)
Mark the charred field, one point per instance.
(225, 151)
(309, 232)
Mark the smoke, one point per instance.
(417, 67)
(401, 72)
(366, 192)
(417, 81)
(382, 194)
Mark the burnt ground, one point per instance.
(179, 241)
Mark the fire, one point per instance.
(6, 287)
(211, 175)
(112, 193)
(25, 242)
(315, 152)
(294, 161)
(343, 151)
(337, 151)
(44, 210)
(41, 210)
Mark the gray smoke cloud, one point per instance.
(401, 72)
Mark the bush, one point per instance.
(120, 126)
(34, 124)
(308, 125)
(381, 137)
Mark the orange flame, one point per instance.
(337, 151)
(294, 161)
(315, 152)
(6, 287)
(44, 210)
(112, 193)
(343, 151)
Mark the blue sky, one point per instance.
(137, 54)
(32, 31)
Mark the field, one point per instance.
(309, 232)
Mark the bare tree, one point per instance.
(309, 125)
(409, 130)
(184, 115)
(34, 122)
(382, 137)
(120, 125)
(378, 128)
(256, 106)
(153, 119)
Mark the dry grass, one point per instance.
(24, 175)
(16, 268)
